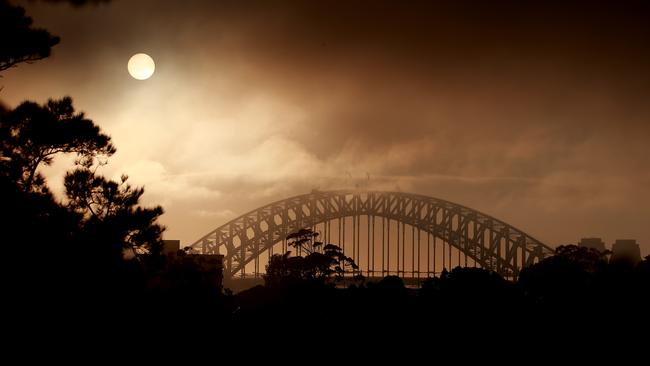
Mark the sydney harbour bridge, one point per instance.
(386, 233)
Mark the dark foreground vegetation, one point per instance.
(576, 289)
(92, 260)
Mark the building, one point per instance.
(171, 247)
(593, 243)
(625, 250)
(191, 270)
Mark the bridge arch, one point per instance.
(488, 242)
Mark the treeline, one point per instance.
(93, 249)
(578, 289)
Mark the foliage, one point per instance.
(570, 274)
(322, 262)
(111, 208)
(32, 135)
(304, 239)
(20, 42)
(589, 259)
(86, 235)
(68, 258)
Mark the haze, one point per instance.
(536, 114)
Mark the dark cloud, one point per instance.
(534, 111)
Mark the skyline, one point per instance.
(542, 126)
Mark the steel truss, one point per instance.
(487, 241)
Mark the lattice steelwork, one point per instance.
(479, 239)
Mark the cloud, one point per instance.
(535, 113)
(219, 214)
(164, 188)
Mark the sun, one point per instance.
(141, 66)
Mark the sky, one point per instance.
(534, 112)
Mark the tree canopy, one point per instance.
(19, 41)
(32, 135)
(84, 237)
(322, 262)
(110, 211)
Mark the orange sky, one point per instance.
(535, 114)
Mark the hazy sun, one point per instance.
(141, 66)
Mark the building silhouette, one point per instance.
(593, 243)
(184, 268)
(171, 247)
(625, 250)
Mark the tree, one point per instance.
(321, 263)
(569, 275)
(64, 257)
(35, 224)
(80, 243)
(32, 135)
(589, 259)
(19, 41)
(111, 213)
